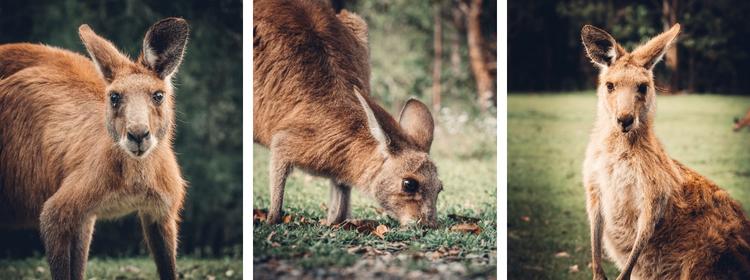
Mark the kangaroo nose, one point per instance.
(138, 134)
(625, 121)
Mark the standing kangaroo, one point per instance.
(83, 139)
(656, 218)
(312, 109)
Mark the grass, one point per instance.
(547, 136)
(128, 268)
(465, 153)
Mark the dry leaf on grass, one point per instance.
(467, 228)
(260, 215)
(463, 219)
(573, 268)
(562, 254)
(362, 226)
(525, 218)
(380, 231)
(287, 219)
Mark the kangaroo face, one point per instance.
(138, 95)
(626, 84)
(408, 188)
(629, 94)
(407, 183)
(139, 112)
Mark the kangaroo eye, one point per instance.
(114, 99)
(158, 97)
(642, 88)
(610, 87)
(410, 185)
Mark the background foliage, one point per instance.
(545, 51)
(209, 110)
(402, 50)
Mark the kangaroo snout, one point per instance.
(626, 122)
(138, 140)
(138, 133)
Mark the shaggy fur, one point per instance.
(312, 109)
(67, 154)
(655, 218)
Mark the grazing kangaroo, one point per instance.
(656, 218)
(312, 109)
(82, 140)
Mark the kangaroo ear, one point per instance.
(415, 119)
(651, 53)
(354, 23)
(108, 60)
(600, 46)
(372, 123)
(164, 46)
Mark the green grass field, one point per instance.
(465, 153)
(548, 235)
(127, 268)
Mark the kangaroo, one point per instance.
(654, 217)
(741, 123)
(313, 110)
(82, 140)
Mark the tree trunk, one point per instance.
(437, 61)
(668, 19)
(455, 41)
(476, 56)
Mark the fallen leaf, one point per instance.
(260, 215)
(463, 219)
(362, 226)
(40, 269)
(380, 231)
(268, 239)
(275, 244)
(467, 228)
(287, 219)
(229, 273)
(562, 254)
(573, 268)
(525, 218)
(210, 277)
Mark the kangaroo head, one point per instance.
(138, 96)
(626, 81)
(407, 184)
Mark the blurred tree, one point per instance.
(545, 53)
(477, 48)
(407, 52)
(437, 64)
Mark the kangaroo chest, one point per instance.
(620, 181)
(129, 199)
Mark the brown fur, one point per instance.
(741, 123)
(312, 109)
(65, 160)
(655, 218)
